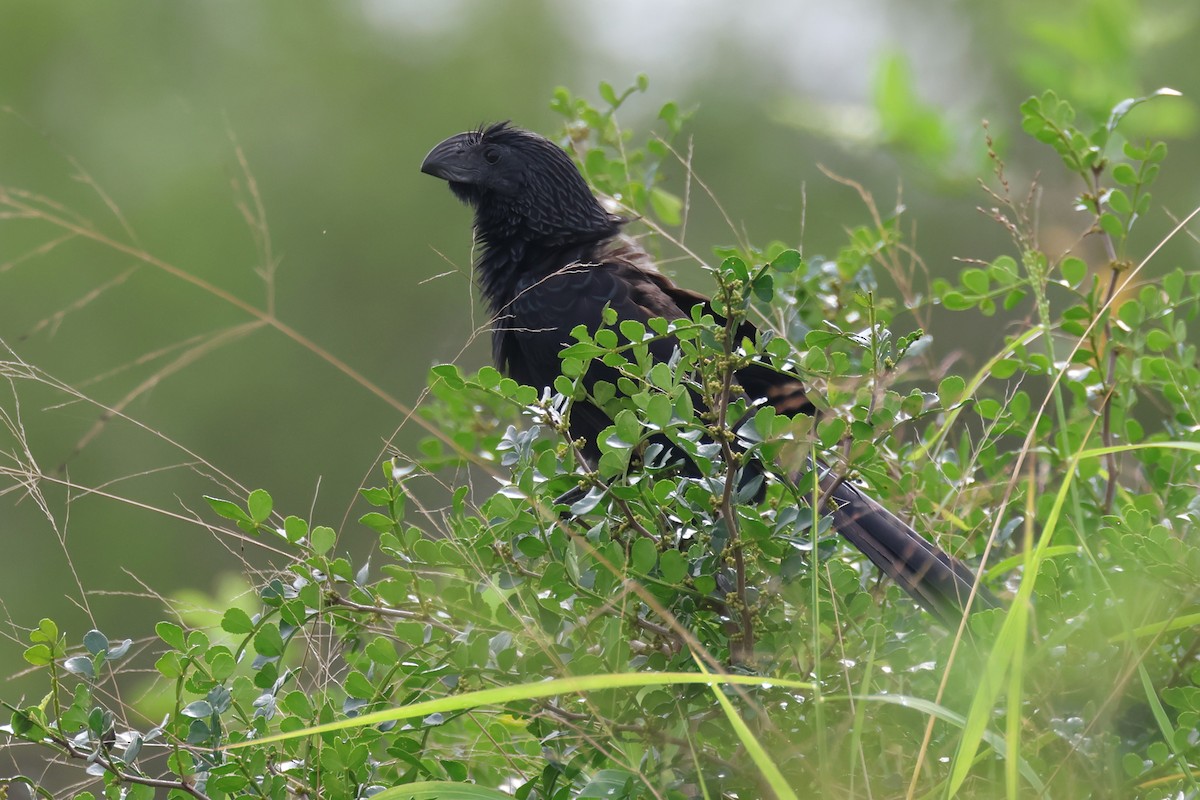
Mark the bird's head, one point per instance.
(520, 185)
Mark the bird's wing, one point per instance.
(540, 318)
(537, 324)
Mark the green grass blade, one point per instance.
(1155, 628)
(1164, 725)
(1016, 623)
(441, 790)
(529, 691)
(770, 772)
(1012, 638)
(932, 709)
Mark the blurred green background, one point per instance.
(333, 105)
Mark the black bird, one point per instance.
(552, 258)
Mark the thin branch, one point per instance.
(124, 777)
(387, 611)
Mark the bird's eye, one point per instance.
(491, 155)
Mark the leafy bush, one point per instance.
(662, 636)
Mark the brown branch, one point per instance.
(385, 611)
(122, 777)
(742, 649)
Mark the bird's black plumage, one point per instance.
(552, 258)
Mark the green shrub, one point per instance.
(671, 637)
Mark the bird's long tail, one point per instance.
(938, 581)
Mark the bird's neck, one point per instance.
(497, 270)
(505, 260)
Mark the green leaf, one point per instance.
(957, 301)
(571, 368)
(376, 495)
(644, 554)
(950, 390)
(268, 642)
(297, 703)
(862, 431)
(1013, 298)
(603, 391)
(236, 621)
(1125, 106)
(259, 504)
(988, 408)
(410, 632)
(608, 94)
(975, 279)
(1158, 340)
(228, 509)
(322, 539)
(1111, 225)
(764, 287)
(358, 686)
(46, 631)
(815, 360)
(1173, 284)
(293, 612)
(449, 374)
(1004, 368)
(1074, 270)
(95, 642)
(736, 267)
(659, 375)
(1003, 269)
(222, 666)
(30, 723)
(608, 783)
(628, 428)
(906, 120)
(667, 207)
(632, 330)
(488, 377)
(198, 709)
(830, 431)
(659, 410)
(532, 547)
(787, 261)
(294, 529)
(613, 463)
(1118, 201)
(172, 634)
(673, 566)
(380, 523)
(684, 408)
(1124, 174)
(382, 651)
(38, 655)
(913, 403)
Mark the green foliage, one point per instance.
(906, 122)
(613, 165)
(1095, 50)
(631, 631)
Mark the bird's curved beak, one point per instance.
(449, 160)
